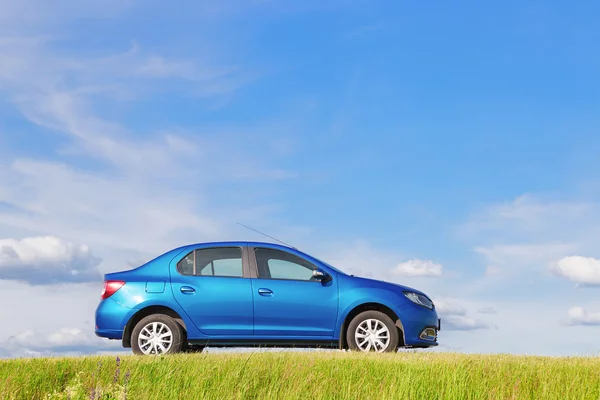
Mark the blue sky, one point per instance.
(383, 137)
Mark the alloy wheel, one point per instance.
(155, 338)
(372, 335)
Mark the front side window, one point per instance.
(277, 264)
(219, 261)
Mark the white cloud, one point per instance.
(513, 321)
(530, 232)
(492, 270)
(518, 254)
(47, 260)
(529, 209)
(61, 198)
(160, 67)
(359, 258)
(527, 215)
(448, 307)
(584, 270)
(74, 204)
(63, 341)
(579, 316)
(49, 308)
(487, 310)
(154, 179)
(415, 267)
(462, 323)
(455, 317)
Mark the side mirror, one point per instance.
(321, 276)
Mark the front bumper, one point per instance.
(420, 326)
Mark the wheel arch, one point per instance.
(144, 312)
(372, 306)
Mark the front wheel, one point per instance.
(156, 334)
(372, 331)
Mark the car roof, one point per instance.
(241, 243)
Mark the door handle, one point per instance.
(265, 292)
(187, 290)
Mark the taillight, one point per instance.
(110, 287)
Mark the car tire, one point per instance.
(372, 331)
(157, 334)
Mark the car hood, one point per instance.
(387, 285)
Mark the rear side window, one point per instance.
(186, 265)
(219, 261)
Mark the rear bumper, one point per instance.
(111, 318)
(109, 334)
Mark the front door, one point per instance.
(210, 286)
(288, 302)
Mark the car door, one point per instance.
(211, 286)
(288, 301)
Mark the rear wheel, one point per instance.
(157, 334)
(372, 331)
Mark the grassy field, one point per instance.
(307, 375)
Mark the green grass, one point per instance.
(310, 375)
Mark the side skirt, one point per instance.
(329, 344)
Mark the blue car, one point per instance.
(258, 294)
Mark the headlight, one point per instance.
(419, 299)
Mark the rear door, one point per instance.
(212, 285)
(288, 302)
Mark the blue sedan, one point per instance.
(258, 294)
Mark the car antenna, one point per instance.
(264, 234)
